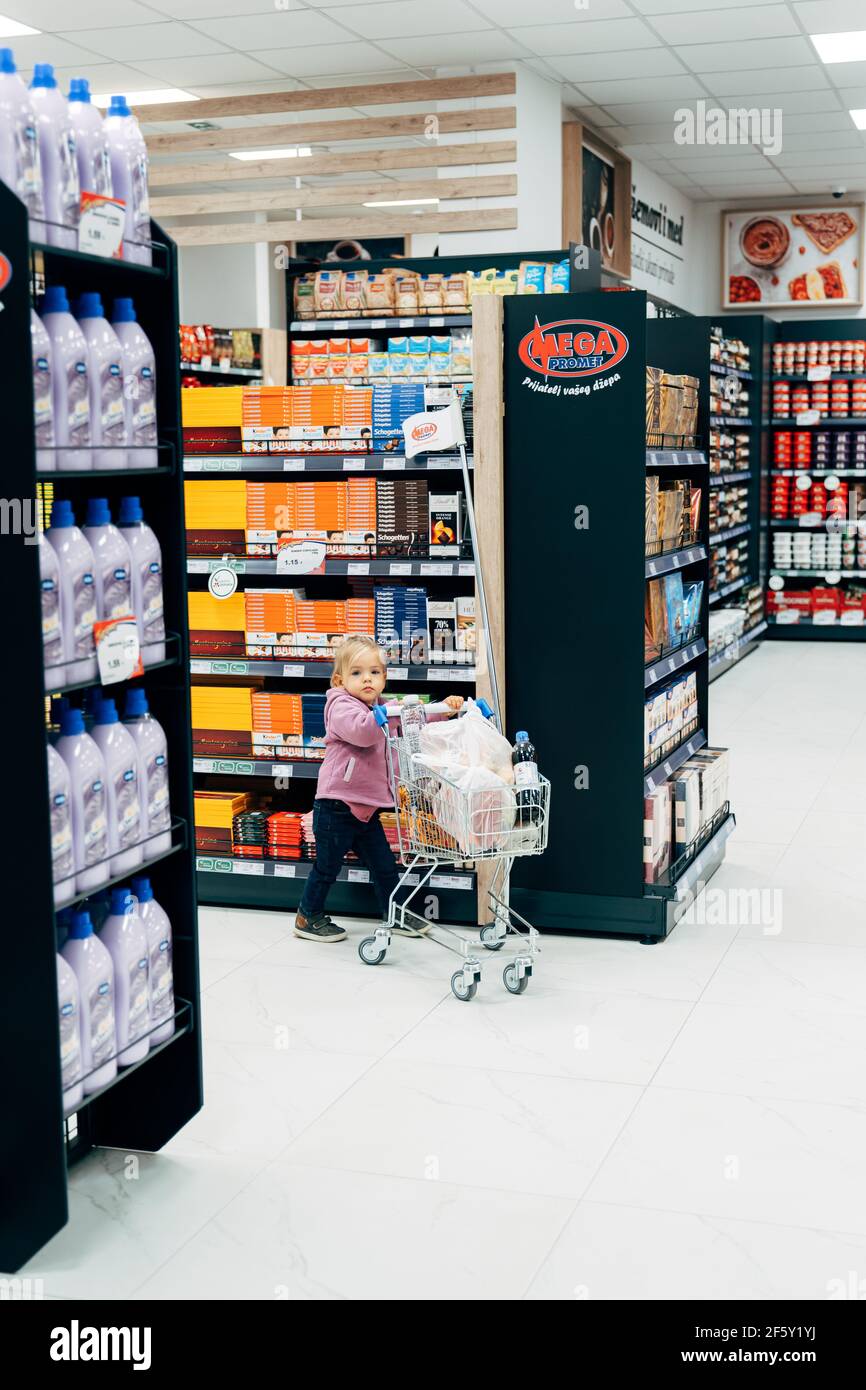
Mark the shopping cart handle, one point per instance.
(485, 709)
(380, 714)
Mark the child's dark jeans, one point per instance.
(337, 831)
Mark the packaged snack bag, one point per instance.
(556, 278)
(406, 292)
(432, 291)
(305, 291)
(530, 277)
(328, 296)
(355, 291)
(380, 293)
(455, 292)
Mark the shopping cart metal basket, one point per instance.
(442, 823)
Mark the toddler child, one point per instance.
(353, 787)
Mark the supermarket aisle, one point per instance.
(673, 1121)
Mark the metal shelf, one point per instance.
(171, 639)
(731, 422)
(804, 376)
(178, 828)
(674, 560)
(320, 670)
(809, 631)
(393, 381)
(818, 472)
(719, 369)
(428, 569)
(246, 372)
(659, 774)
(183, 1024)
(790, 421)
(718, 594)
(313, 328)
(819, 573)
(684, 884)
(463, 879)
(718, 537)
(735, 650)
(724, 479)
(321, 463)
(257, 767)
(103, 265)
(666, 665)
(675, 458)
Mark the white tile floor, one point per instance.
(682, 1120)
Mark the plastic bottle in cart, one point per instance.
(77, 590)
(43, 402)
(94, 970)
(89, 801)
(139, 385)
(20, 165)
(527, 786)
(412, 721)
(62, 844)
(105, 374)
(158, 929)
(69, 388)
(61, 192)
(129, 178)
(122, 801)
(146, 580)
(91, 142)
(53, 648)
(125, 938)
(152, 772)
(69, 1008)
(112, 562)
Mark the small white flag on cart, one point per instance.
(434, 429)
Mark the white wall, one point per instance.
(231, 286)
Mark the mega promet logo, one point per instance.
(425, 431)
(572, 347)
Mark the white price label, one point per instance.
(451, 881)
(197, 566)
(338, 324)
(398, 673)
(437, 569)
(228, 465)
(305, 557)
(393, 463)
(651, 569)
(223, 582)
(807, 417)
(437, 323)
(831, 482)
(818, 374)
(284, 871)
(358, 567)
(378, 323)
(225, 364)
(356, 464)
(833, 576)
(256, 869)
(358, 875)
(199, 668)
(193, 466)
(400, 568)
(776, 583)
(457, 675)
(803, 483)
(293, 670)
(293, 465)
(205, 362)
(282, 769)
(810, 519)
(117, 651)
(202, 764)
(406, 323)
(466, 569)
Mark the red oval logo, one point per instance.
(572, 347)
(5, 271)
(424, 431)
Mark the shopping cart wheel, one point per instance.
(514, 982)
(367, 950)
(460, 989)
(488, 938)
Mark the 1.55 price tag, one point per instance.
(117, 651)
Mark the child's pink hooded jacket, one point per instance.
(355, 767)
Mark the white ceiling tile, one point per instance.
(830, 16)
(820, 140)
(848, 74)
(753, 53)
(590, 115)
(510, 13)
(755, 22)
(280, 29)
(707, 163)
(852, 98)
(136, 41)
(797, 122)
(400, 19)
(46, 48)
(793, 103)
(654, 7)
(644, 89)
(636, 62)
(753, 178)
(210, 9)
(801, 159)
(106, 77)
(453, 48)
(586, 36)
(189, 73)
(329, 59)
(811, 78)
(53, 15)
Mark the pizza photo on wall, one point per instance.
(790, 258)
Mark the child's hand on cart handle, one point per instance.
(455, 704)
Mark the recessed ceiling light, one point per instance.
(11, 29)
(859, 118)
(841, 48)
(147, 98)
(290, 152)
(400, 202)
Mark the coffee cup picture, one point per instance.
(609, 228)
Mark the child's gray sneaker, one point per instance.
(318, 929)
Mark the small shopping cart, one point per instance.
(445, 821)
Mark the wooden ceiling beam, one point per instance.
(325, 229)
(334, 195)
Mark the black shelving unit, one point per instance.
(683, 346)
(585, 601)
(807, 630)
(147, 1104)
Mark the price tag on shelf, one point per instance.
(197, 566)
(100, 228)
(467, 569)
(235, 766)
(222, 866)
(833, 577)
(358, 567)
(456, 674)
(436, 569)
(807, 417)
(229, 465)
(810, 519)
(193, 465)
(339, 324)
(803, 482)
(379, 323)
(436, 323)
(461, 881)
(203, 865)
(651, 568)
(199, 668)
(397, 673)
(301, 557)
(282, 769)
(393, 463)
(293, 670)
(294, 465)
(252, 868)
(831, 482)
(400, 567)
(818, 374)
(406, 323)
(284, 870)
(225, 365)
(776, 583)
(202, 764)
(353, 465)
(358, 875)
(205, 362)
(117, 652)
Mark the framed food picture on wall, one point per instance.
(793, 258)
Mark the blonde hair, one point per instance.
(349, 650)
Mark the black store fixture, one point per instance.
(147, 1104)
(798, 331)
(682, 345)
(574, 624)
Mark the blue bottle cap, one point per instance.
(136, 702)
(124, 311)
(142, 889)
(522, 736)
(62, 514)
(7, 60)
(79, 89)
(97, 512)
(71, 721)
(55, 301)
(81, 925)
(130, 511)
(121, 902)
(89, 306)
(119, 107)
(43, 76)
(106, 712)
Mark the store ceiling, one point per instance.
(625, 66)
